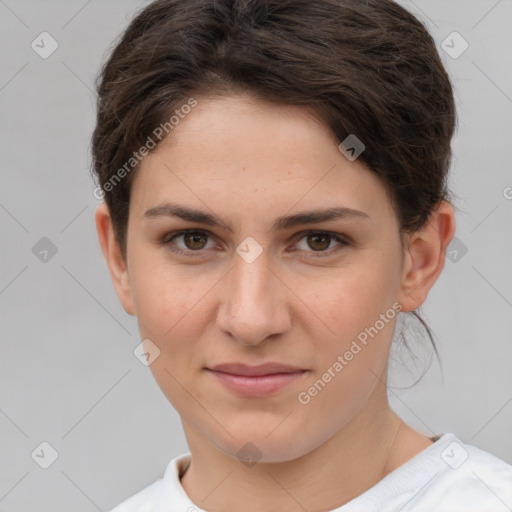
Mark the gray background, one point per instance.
(68, 375)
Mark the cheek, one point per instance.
(167, 298)
(359, 307)
(352, 298)
(351, 369)
(167, 309)
(173, 305)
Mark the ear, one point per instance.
(425, 256)
(113, 256)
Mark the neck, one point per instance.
(370, 446)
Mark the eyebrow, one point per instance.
(280, 224)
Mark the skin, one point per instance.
(249, 162)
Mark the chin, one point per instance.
(251, 446)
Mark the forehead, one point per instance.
(239, 153)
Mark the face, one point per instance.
(302, 305)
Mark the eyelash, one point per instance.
(167, 241)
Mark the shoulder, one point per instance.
(159, 494)
(459, 477)
(448, 476)
(474, 477)
(143, 501)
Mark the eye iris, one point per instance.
(194, 237)
(317, 236)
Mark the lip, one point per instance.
(261, 380)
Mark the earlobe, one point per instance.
(113, 256)
(425, 256)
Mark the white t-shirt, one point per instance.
(447, 476)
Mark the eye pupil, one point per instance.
(317, 236)
(194, 238)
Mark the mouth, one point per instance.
(256, 381)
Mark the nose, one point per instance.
(254, 302)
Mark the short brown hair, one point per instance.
(365, 67)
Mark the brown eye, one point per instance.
(195, 240)
(319, 241)
(187, 243)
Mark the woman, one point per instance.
(274, 176)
